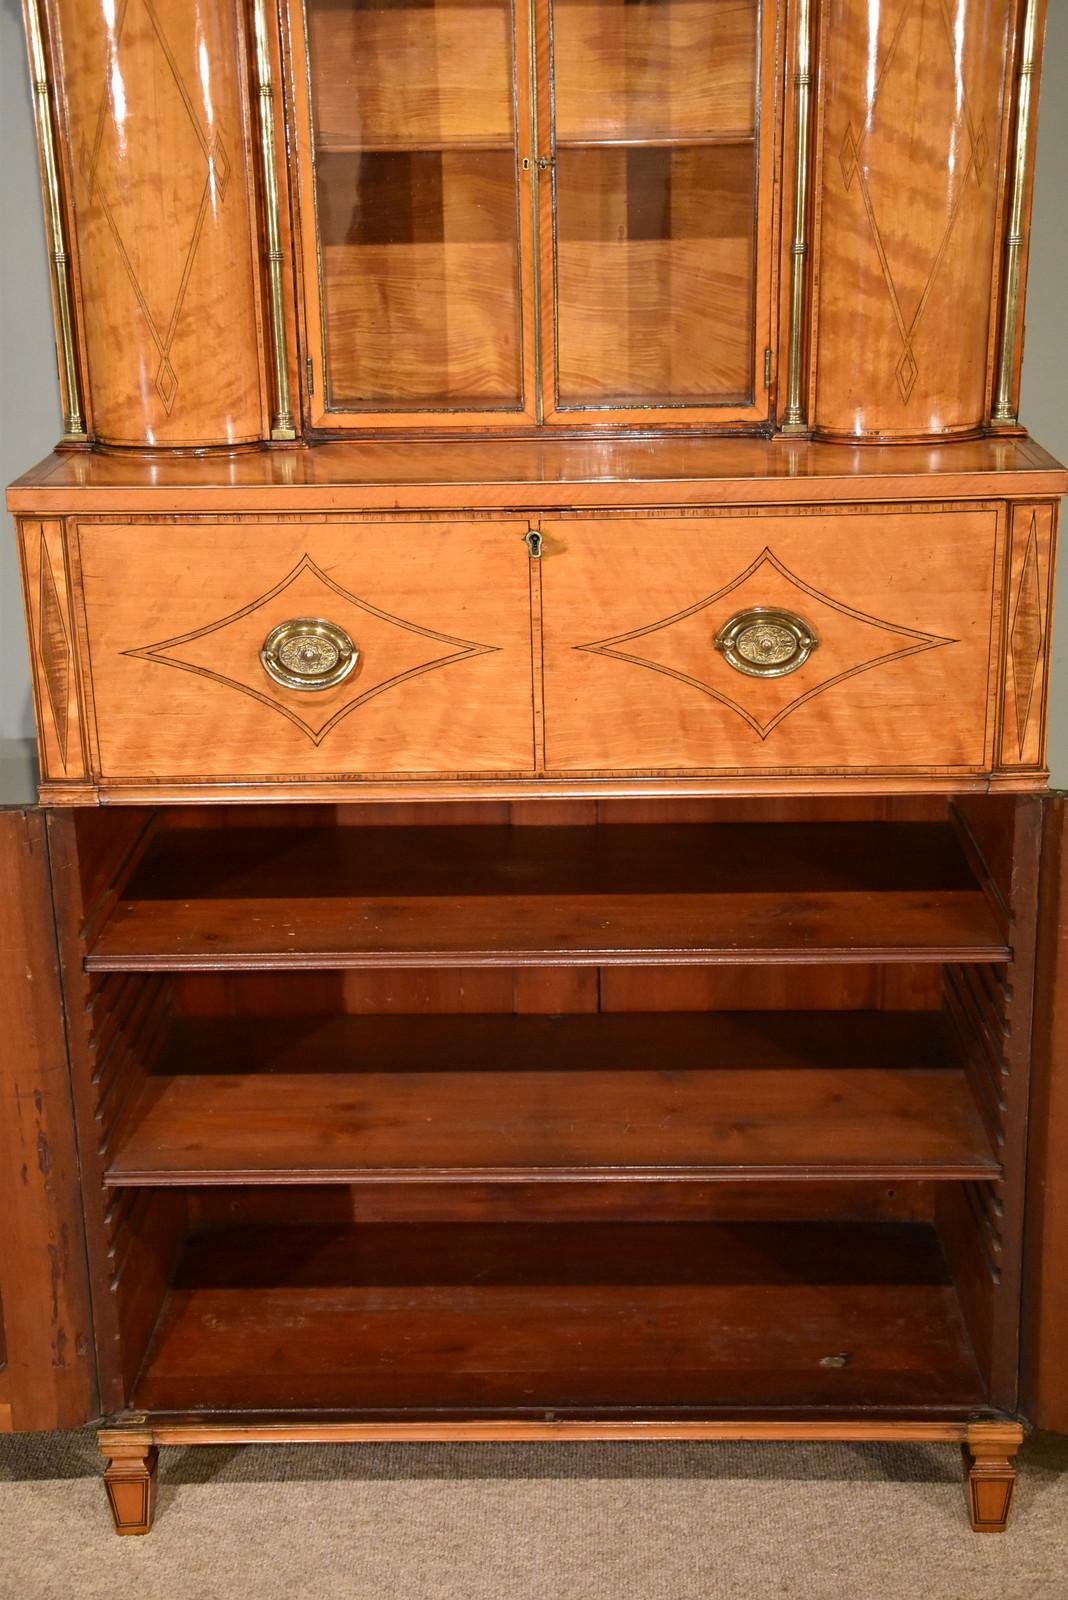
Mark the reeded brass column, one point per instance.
(70, 393)
(282, 426)
(794, 415)
(1004, 411)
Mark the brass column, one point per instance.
(282, 426)
(794, 415)
(70, 393)
(1004, 410)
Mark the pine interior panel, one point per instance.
(571, 1318)
(498, 896)
(523, 1098)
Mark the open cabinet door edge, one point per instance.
(1045, 1304)
(47, 1371)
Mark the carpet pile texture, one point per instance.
(531, 1522)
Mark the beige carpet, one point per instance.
(531, 1522)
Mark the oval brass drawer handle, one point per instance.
(764, 642)
(308, 653)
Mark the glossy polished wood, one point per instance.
(904, 604)
(538, 474)
(912, 149)
(158, 145)
(53, 650)
(1029, 615)
(439, 613)
(578, 658)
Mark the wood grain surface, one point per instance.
(158, 158)
(905, 605)
(47, 1371)
(564, 1318)
(426, 897)
(573, 1098)
(913, 145)
(440, 615)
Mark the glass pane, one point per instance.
(414, 115)
(655, 139)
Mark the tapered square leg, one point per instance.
(989, 1480)
(130, 1479)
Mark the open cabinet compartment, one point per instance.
(292, 1301)
(658, 1111)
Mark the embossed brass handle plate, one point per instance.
(308, 653)
(764, 642)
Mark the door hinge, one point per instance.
(309, 372)
(532, 540)
(767, 368)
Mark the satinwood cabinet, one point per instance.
(540, 624)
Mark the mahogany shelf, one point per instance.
(575, 1319)
(553, 1099)
(618, 894)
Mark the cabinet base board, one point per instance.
(130, 1447)
(344, 789)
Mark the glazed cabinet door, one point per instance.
(655, 160)
(302, 648)
(413, 135)
(524, 211)
(823, 641)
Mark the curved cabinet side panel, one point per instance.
(157, 120)
(913, 146)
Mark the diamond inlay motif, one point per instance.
(392, 649)
(1027, 636)
(122, 165)
(54, 650)
(851, 642)
(922, 58)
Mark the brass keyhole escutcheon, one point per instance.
(765, 642)
(308, 653)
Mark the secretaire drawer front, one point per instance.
(305, 648)
(790, 642)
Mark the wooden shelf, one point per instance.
(554, 1099)
(653, 141)
(640, 1319)
(339, 144)
(207, 899)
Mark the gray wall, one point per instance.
(29, 403)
